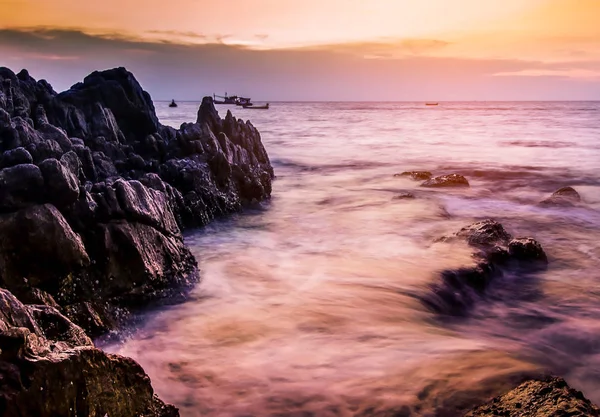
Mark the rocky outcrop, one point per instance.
(94, 195)
(563, 197)
(496, 252)
(549, 397)
(92, 171)
(446, 181)
(49, 367)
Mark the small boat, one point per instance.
(239, 101)
(253, 107)
(431, 104)
(173, 104)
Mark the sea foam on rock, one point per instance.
(94, 194)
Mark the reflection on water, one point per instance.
(307, 305)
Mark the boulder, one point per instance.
(415, 175)
(61, 184)
(38, 248)
(14, 157)
(563, 197)
(452, 180)
(20, 186)
(547, 397)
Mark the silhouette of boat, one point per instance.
(237, 100)
(431, 104)
(173, 104)
(253, 107)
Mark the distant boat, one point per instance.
(253, 107)
(173, 104)
(431, 104)
(237, 100)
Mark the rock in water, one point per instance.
(415, 175)
(566, 196)
(452, 180)
(550, 397)
(495, 251)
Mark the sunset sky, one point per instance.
(315, 49)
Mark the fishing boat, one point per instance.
(431, 104)
(173, 104)
(253, 107)
(236, 100)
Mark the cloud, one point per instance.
(397, 70)
(568, 73)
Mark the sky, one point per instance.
(432, 50)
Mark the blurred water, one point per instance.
(307, 304)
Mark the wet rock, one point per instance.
(549, 397)
(566, 196)
(415, 175)
(61, 184)
(527, 252)
(452, 180)
(404, 196)
(486, 233)
(20, 186)
(495, 252)
(14, 157)
(49, 367)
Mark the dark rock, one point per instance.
(452, 180)
(62, 185)
(566, 196)
(457, 290)
(38, 248)
(549, 397)
(49, 367)
(486, 233)
(20, 186)
(14, 157)
(416, 175)
(404, 196)
(527, 252)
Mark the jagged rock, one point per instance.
(549, 397)
(38, 248)
(566, 196)
(452, 180)
(49, 367)
(14, 157)
(416, 175)
(62, 186)
(457, 290)
(20, 186)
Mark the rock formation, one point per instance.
(445, 181)
(566, 196)
(549, 397)
(94, 194)
(495, 252)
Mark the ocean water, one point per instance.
(309, 305)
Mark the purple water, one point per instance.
(307, 306)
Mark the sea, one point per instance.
(309, 304)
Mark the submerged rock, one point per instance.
(549, 397)
(566, 196)
(495, 252)
(415, 175)
(452, 180)
(404, 196)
